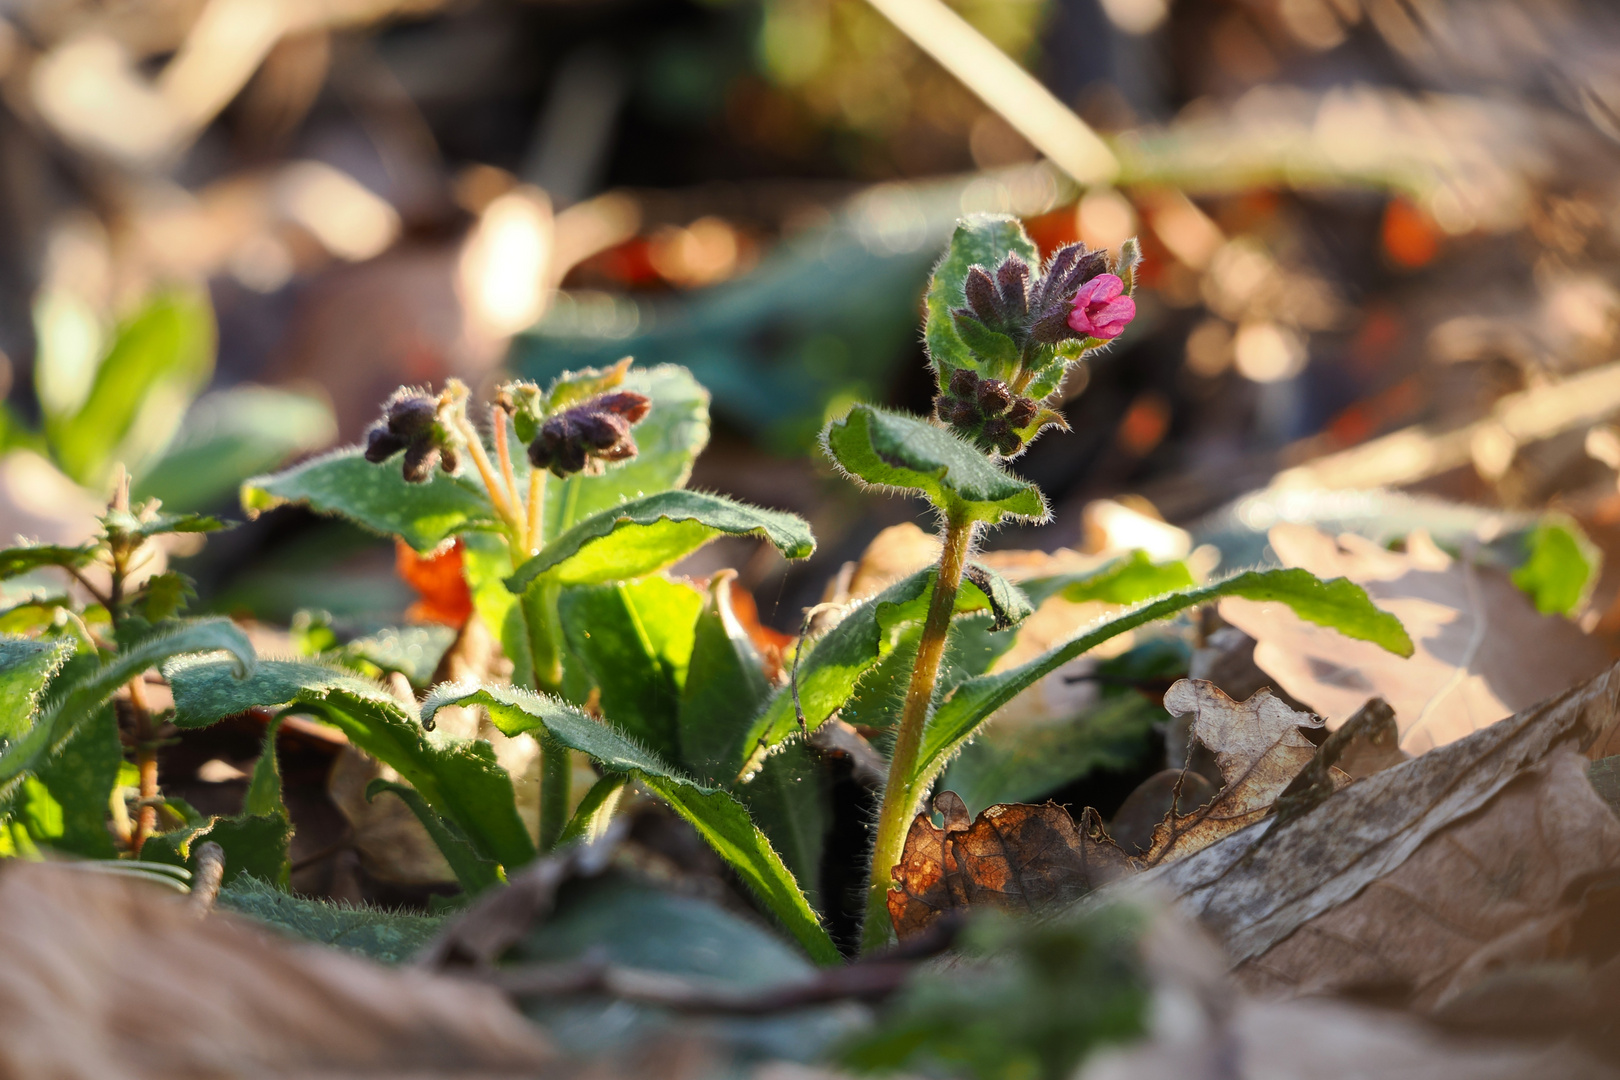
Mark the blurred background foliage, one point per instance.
(1381, 247)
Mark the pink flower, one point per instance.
(1100, 309)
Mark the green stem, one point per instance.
(541, 620)
(901, 793)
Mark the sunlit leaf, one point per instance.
(979, 240)
(1562, 567)
(897, 452)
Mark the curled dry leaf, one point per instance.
(1203, 1026)
(85, 957)
(1015, 857)
(1422, 877)
(1483, 651)
(1260, 747)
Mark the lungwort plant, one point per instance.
(568, 505)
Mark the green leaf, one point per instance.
(669, 439)
(725, 688)
(1339, 603)
(27, 558)
(159, 360)
(487, 562)
(1129, 579)
(26, 666)
(413, 651)
(1562, 568)
(459, 778)
(255, 845)
(647, 534)
(979, 240)
(77, 694)
(165, 595)
(473, 872)
(230, 435)
(717, 817)
(345, 484)
(594, 811)
(897, 452)
(995, 351)
(828, 674)
(264, 786)
(64, 805)
(632, 641)
(390, 937)
(149, 521)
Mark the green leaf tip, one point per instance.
(897, 452)
(647, 534)
(1562, 566)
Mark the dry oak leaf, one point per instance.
(1410, 879)
(107, 978)
(1203, 1026)
(1483, 651)
(1259, 745)
(1016, 857)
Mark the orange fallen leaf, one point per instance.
(1015, 857)
(439, 579)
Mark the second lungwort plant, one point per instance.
(1002, 328)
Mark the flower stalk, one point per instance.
(900, 794)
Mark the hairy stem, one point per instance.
(503, 454)
(486, 470)
(146, 763)
(537, 510)
(900, 794)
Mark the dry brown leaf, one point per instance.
(1015, 857)
(1202, 1026)
(1483, 651)
(1259, 745)
(105, 978)
(1416, 879)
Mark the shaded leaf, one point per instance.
(1482, 650)
(647, 534)
(1260, 749)
(390, 937)
(77, 784)
(165, 595)
(413, 651)
(594, 812)
(264, 785)
(459, 778)
(632, 642)
(896, 452)
(716, 815)
(725, 687)
(1338, 603)
(1016, 858)
(473, 872)
(150, 522)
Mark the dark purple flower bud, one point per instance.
(382, 444)
(1022, 413)
(584, 436)
(410, 413)
(994, 397)
(1012, 276)
(449, 460)
(420, 457)
(964, 382)
(980, 290)
(958, 412)
(996, 433)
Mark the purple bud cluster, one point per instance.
(410, 422)
(987, 410)
(585, 436)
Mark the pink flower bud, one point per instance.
(1100, 308)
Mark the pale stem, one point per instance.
(503, 454)
(900, 794)
(497, 498)
(537, 509)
